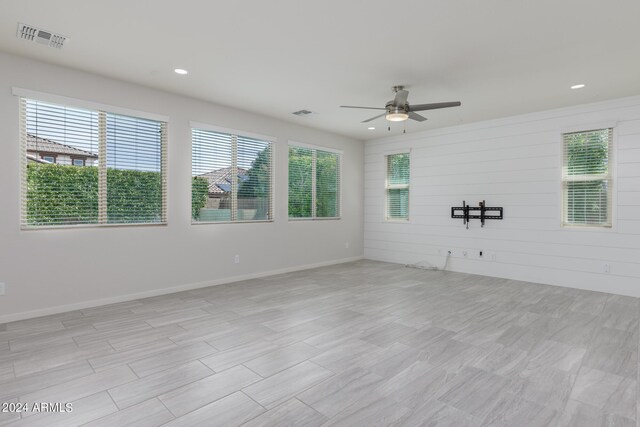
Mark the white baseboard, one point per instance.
(630, 291)
(164, 291)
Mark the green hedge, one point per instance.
(199, 195)
(301, 179)
(60, 195)
(133, 196)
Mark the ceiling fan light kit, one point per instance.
(397, 116)
(399, 110)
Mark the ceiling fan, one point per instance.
(398, 109)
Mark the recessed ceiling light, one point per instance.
(181, 71)
(371, 128)
(580, 86)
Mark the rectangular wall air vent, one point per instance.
(33, 34)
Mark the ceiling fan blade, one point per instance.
(435, 106)
(416, 116)
(373, 118)
(366, 108)
(401, 98)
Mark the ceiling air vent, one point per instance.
(301, 113)
(37, 35)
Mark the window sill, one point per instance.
(335, 218)
(397, 221)
(596, 228)
(231, 222)
(94, 226)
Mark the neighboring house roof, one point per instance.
(220, 179)
(35, 159)
(44, 145)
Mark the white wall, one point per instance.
(48, 271)
(515, 163)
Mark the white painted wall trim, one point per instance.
(121, 263)
(314, 147)
(220, 129)
(157, 292)
(83, 103)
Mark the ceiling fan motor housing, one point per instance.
(398, 109)
(391, 108)
(396, 113)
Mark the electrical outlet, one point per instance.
(346, 245)
(2, 288)
(236, 259)
(606, 268)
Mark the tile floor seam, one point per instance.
(245, 366)
(382, 294)
(168, 410)
(204, 405)
(258, 403)
(575, 378)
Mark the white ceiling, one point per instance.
(498, 57)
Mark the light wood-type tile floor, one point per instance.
(358, 344)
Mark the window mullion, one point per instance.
(314, 158)
(102, 167)
(163, 168)
(23, 161)
(270, 201)
(234, 177)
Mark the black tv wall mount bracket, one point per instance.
(485, 212)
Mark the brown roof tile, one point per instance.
(220, 176)
(38, 144)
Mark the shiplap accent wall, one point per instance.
(516, 163)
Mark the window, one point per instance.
(78, 162)
(231, 177)
(314, 183)
(397, 187)
(587, 178)
(49, 159)
(124, 185)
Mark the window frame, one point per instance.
(74, 159)
(314, 190)
(387, 187)
(611, 176)
(27, 94)
(53, 157)
(193, 125)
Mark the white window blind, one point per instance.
(231, 177)
(397, 186)
(109, 168)
(314, 183)
(587, 178)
